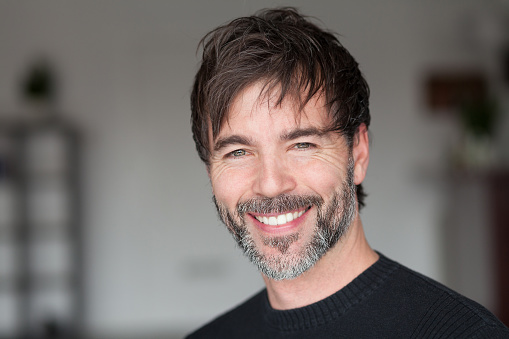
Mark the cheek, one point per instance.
(230, 185)
(322, 175)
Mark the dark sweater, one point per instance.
(387, 300)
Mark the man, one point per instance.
(280, 117)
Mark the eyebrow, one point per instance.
(303, 132)
(231, 140)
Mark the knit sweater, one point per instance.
(387, 300)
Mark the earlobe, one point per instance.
(360, 153)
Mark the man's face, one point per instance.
(282, 183)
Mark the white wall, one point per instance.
(157, 257)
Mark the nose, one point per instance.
(273, 178)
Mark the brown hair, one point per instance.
(291, 56)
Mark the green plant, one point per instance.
(479, 118)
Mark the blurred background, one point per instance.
(107, 228)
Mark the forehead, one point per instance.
(253, 109)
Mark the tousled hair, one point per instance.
(291, 56)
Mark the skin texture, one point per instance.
(265, 151)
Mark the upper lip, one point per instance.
(274, 214)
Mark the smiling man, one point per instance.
(280, 118)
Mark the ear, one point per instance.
(360, 153)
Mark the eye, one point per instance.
(303, 145)
(237, 153)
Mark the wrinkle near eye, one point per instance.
(331, 154)
(216, 170)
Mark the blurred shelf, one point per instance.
(38, 283)
(39, 175)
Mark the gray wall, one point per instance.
(158, 259)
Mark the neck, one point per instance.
(351, 256)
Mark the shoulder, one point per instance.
(442, 312)
(247, 314)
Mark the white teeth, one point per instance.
(289, 217)
(280, 219)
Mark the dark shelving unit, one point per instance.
(41, 272)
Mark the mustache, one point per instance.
(279, 204)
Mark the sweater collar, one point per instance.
(334, 306)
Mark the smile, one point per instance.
(280, 219)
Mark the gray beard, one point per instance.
(333, 220)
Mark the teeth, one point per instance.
(280, 219)
(289, 217)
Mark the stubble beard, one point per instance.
(332, 221)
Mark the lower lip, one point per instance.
(277, 229)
